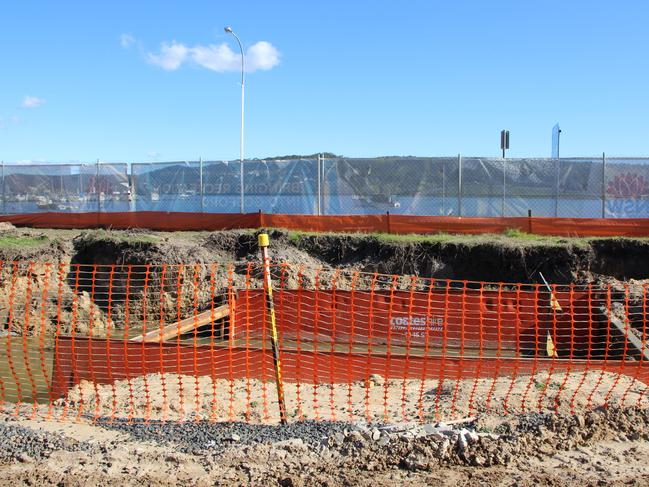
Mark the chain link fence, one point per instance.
(436, 186)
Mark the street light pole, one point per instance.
(243, 91)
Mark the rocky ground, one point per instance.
(601, 447)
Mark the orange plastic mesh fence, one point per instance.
(180, 342)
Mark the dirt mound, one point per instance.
(178, 397)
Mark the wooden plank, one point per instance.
(175, 329)
(624, 329)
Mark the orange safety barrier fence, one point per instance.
(180, 342)
(385, 223)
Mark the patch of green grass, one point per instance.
(512, 237)
(517, 233)
(295, 237)
(16, 241)
(440, 237)
(540, 386)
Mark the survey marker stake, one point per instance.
(550, 349)
(263, 241)
(554, 302)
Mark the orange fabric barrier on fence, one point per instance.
(385, 223)
(471, 318)
(351, 345)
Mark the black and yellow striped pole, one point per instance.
(270, 307)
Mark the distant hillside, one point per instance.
(327, 155)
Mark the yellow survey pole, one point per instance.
(270, 307)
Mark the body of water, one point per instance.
(351, 205)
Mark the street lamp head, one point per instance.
(228, 29)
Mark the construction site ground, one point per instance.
(605, 446)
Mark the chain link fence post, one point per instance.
(556, 188)
(323, 187)
(603, 185)
(4, 209)
(444, 188)
(502, 210)
(131, 178)
(200, 182)
(97, 187)
(241, 190)
(459, 185)
(319, 185)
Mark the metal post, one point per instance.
(97, 188)
(603, 185)
(243, 91)
(270, 308)
(4, 209)
(502, 210)
(444, 188)
(200, 180)
(319, 187)
(82, 200)
(241, 193)
(459, 185)
(556, 189)
(133, 203)
(323, 186)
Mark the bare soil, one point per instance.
(603, 447)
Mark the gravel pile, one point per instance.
(202, 437)
(25, 445)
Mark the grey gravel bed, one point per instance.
(199, 437)
(18, 443)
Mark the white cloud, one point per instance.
(171, 56)
(32, 102)
(125, 40)
(261, 56)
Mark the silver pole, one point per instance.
(323, 186)
(97, 188)
(603, 185)
(4, 209)
(200, 181)
(444, 188)
(502, 210)
(133, 203)
(459, 185)
(243, 91)
(556, 189)
(319, 186)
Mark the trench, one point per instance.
(122, 279)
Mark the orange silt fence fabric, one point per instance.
(383, 223)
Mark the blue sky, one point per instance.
(87, 80)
